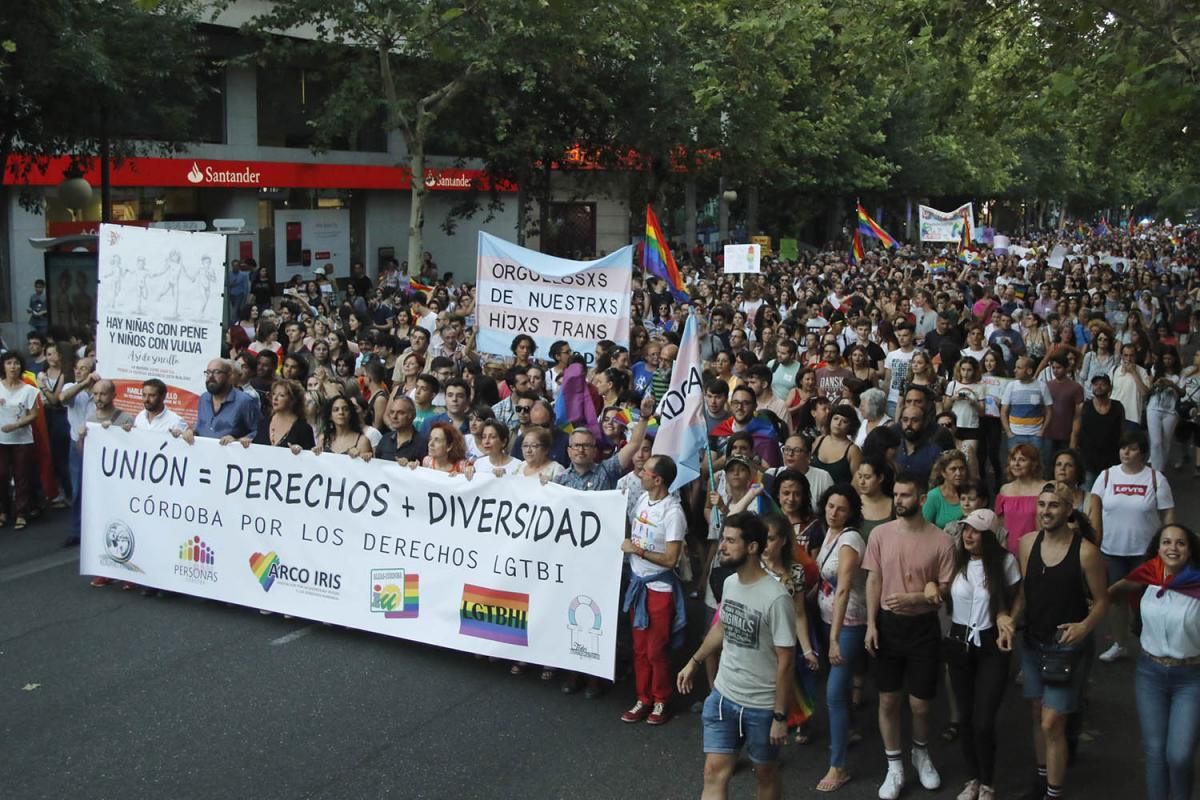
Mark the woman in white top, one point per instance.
(979, 645)
(1136, 499)
(535, 450)
(1162, 416)
(493, 442)
(18, 409)
(964, 398)
(1168, 672)
(842, 599)
(1130, 385)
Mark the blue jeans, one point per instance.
(77, 485)
(837, 689)
(1168, 702)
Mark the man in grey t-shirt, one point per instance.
(757, 642)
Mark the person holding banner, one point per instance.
(654, 598)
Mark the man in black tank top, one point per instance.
(1063, 597)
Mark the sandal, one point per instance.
(951, 732)
(827, 785)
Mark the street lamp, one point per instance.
(75, 193)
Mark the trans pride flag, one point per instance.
(658, 261)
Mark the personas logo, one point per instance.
(495, 615)
(196, 562)
(586, 626)
(395, 593)
(269, 569)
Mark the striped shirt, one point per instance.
(1027, 404)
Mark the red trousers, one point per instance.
(651, 650)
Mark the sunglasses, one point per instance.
(523, 409)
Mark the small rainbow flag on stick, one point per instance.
(658, 261)
(871, 228)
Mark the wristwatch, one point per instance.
(779, 717)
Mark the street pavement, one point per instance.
(108, 694)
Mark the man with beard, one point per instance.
(223, 410)
(103, 393)
(910, 565)
(919, 450)
(401, 442)
(744, 404)
(155, 416)
(1060, 570)
(757, 643)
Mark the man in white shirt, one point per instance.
(155, 416)
(797, 455)
(658, 526)
(895, 366)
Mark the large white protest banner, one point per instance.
(518, 290)
(159, 306)
(743, 259)
(944, 226)
(504, 567)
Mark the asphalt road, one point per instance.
(107, 694)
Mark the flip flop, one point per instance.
(832, 786)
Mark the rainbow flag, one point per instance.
(871, 228)
(495, 615)
(417, 286)
(857, 254)
(658, 261)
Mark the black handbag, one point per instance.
(1057, 663)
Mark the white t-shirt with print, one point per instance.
(827, 562)
(14, 404)
(655, 524)
(1131, 506)
(897, 362)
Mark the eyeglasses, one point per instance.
(523, 409)
(794, 451)
(582, 446)
(208, 373)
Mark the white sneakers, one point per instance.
(970, 791)
(1114, 653)
(893, 783)
(926, 772)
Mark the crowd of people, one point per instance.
(915, 469)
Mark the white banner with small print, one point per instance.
(503, 567)
(521, 291)
(743, 259)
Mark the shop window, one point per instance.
(289, 99)
(571, 231)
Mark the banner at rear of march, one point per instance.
(518, 290)
(159, 306)
(503, 567)
(944, 226)
(743, 258)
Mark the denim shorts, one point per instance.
(1063, 698)
(728, 726)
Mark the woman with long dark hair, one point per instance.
(342, 430)
(979, 645)
(843, 603)
(1168, 671)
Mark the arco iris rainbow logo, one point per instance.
(494, 614)
(260, 565)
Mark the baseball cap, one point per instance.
(1101, 377)
(729, 462)
(982, 519)
(319, 271)
(1062, 489)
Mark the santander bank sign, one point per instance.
(243, 176)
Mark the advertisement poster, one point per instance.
(549, 298)
(310, 238)
(503, 567)
(159, 304)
